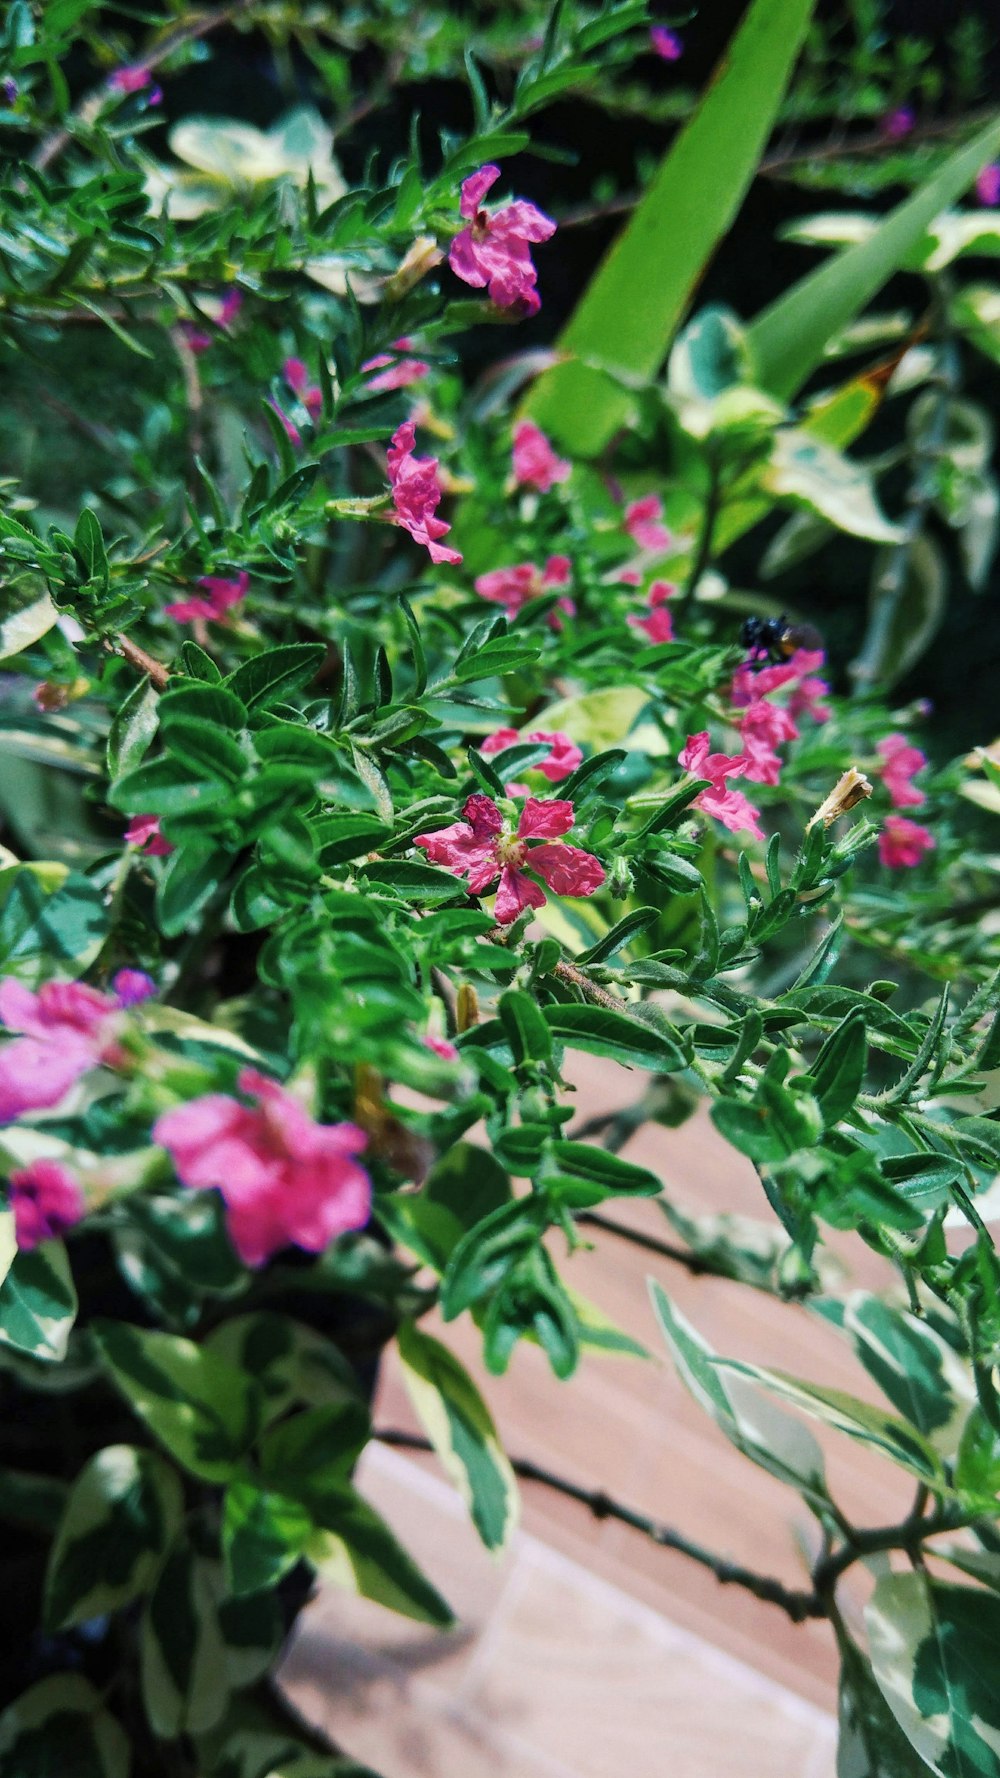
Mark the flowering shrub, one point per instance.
(296, 949)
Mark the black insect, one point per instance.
(775, 639)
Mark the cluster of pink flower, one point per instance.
(221, 595)
(902, 842)
(535, 463)
(284, 1178)
(483, 848)
(514, 587)
(135, 79)
(64, 1030)
(394, 371)
(658, 622)
(563, 759)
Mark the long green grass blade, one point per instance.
(621, 329)
(787, 339)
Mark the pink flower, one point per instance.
(494, 250)
(401, 372)
(643, 522)
(988, 185)
(441, 1047)
(132, 986)
(900, 761)
(903, 842)
(144, 831)
(513, 587)
(659, 625)
(416, 493)
(729, 806)
(899, 123)
(284, 1178)
(763, 727)
(231, 305)
(65, 1030)
(535, 462)
(46, 1201)
(311, 396)
(195, 338)
(222, 596)
(750, 682)
(563, 759)
(483, 848)
(135, 80)
(665, 43)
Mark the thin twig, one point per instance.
(797, 1605)
(568, 972)
(89, 109)
(651, 1244)
(159, 675)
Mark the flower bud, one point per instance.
(850, 789)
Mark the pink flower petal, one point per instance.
(567, 870)
(544, 820)
(515, 892)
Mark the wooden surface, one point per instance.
(619, 1680)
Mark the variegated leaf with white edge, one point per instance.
(460, 1427)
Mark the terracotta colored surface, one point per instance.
(591, 1652)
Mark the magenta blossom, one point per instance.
(135, 80)
(64, 1030)
(658, 622)
(988, 185)
(395, 372)
(495, 249)
(230, 306)
(535, 462)
(644, 524)
(284, 1178)
(903, 842)
(143, 831)
(310, 394)
(899, 763)
(899, 123)
(798, 672)
(46, 1201)
(563, 758)
(441, 1047)
(763, 727)
(416, 494)
(665, 44)
(483, 848)
(132, 986)
(513, 587)
(729, 806)
(195, 338)
(222, 594)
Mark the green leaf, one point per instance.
(771, 1439)
(264, 1534)
(619, 332)
(935, 1651)
(52, 922)
(270, 676)
(788, 339)
(132, 728)
(521, 1017)
(192, 875)
(22, 628)
(870, 1743)
(839, 1069)
(292, 1364)
(205, 1412)
(893, 1438)
(902, 622)
(776, 1124)
(60, 1728)
(412, 881)
(583, 1174)
(459, 1426)
(913, 1366)
(813, 475)
(183, 1655)
(356, 1550)
(614, 1034)
(38, 1303)
(464, 1187)
(124, 1510)
(166, 787)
